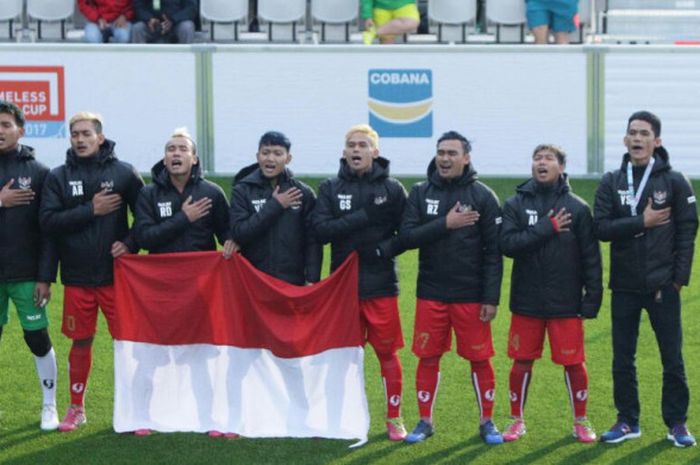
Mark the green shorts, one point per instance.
(22, 295)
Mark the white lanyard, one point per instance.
(156, 4)
(632, 198)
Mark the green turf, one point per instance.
(548, 414)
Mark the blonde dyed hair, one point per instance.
(94, 118)
(184, 133)
(365, 129)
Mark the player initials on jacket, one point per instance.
(431, 206)
(258, 204)
(532, 217)
(345, 201)
(166, 209)
(76, 188)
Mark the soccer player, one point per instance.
(388, 18)
(454, 220)
(361, 210)
(25, 254)
(84, 208)
(271, 215)
(556, 281)
(647, 211)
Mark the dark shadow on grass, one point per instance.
(539, 455)
(589, 453)
(643, 455)
(20, 435)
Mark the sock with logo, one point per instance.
(577, 383)
(520, 377)
(427, 381)
(79, 364)
(46, 371)
(393, 382)
(484, 386)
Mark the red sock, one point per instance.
(79, 363)
(427, 380)
(520, 376)
(484, 386)
(393, 383)
(577, 384)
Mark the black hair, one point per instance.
(12, 109)
(555, 149)
(275, 138)
(650, 118)
(454, 135)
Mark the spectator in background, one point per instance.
(559, 16)
(388, 18)
(164, 21)
(107, 19)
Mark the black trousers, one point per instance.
(664, 310)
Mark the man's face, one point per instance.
(179, 156)
(545, 167)
(84, 139)
(451, 159)
(10, 133)
(272, 159)
(641, 142)
(359, 152)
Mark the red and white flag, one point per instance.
(203, 343)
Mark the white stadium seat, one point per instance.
(282, 12)
(452, 13)
(224, 11)
(51, 10)
(335, 12)
(507, 13)
(10, 10)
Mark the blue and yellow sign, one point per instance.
(401, 102)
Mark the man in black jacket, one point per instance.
(454, 220)
(271, 215)
(164, 21)
(556, 281)
(647, 211)
(361, 210)
(84, 208)
(25, 254)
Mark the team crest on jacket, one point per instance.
(532, 217)
(258, 204)
(76, 188)
(431, 206)
(380, 199)
(24, 182)
(660, 197)
(345, 201)
(165, 209)
(107, 185)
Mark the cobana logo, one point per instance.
(401, 102)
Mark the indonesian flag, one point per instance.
(203, 343)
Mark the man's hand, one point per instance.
(121, 21)
(102, 24)
(153, 24)
(289, 198)
(167, 24)
(42, 294)
(369, 23)
(488, 312)
(118, 249)
(459, 217)
(104, 203)
(196, 210)
(230, 247)
(654, 218)
(15, 197)
(562, 218)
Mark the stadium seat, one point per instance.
(224, 11)
(452, 13)
(334, 12)
(282, 12)
(507, 14)
(10, 10)
(54, 10)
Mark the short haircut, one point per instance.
(555, 149)
(275, 138)
(650, 118)
(365, 129)
(454, 135)
(12, 109)
(94, 118)
(185, 134)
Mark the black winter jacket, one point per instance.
(25, 254)
(555, 275)
(460, 265)
(354, 212)
(646, 260)
(160, 224)
(277, 241)
(176, 10)
(84, 241)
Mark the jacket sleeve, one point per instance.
(129, 11)
(326, 226)
(131, 196)
(607, 226)
(48, 260)
(151, 234)
(313, 250)
(591, 267)
(489, 225)
(220, 220)
(188, 11)
(412, 233)
(54, 218)
(366, 8)
(517, 240)
(89, 9)
(685, 220)
(246, 224)
(142, 10)
(392, 246)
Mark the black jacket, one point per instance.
(25, 254)
(176, 10)
(160, 224)
(363, 213)
(645, 260)
(84, 240)
(460, 265)
(555, 275)
(277, 241)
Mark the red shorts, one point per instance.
(526, 339)
(382, 325)
(80, 310)
(432, 334)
